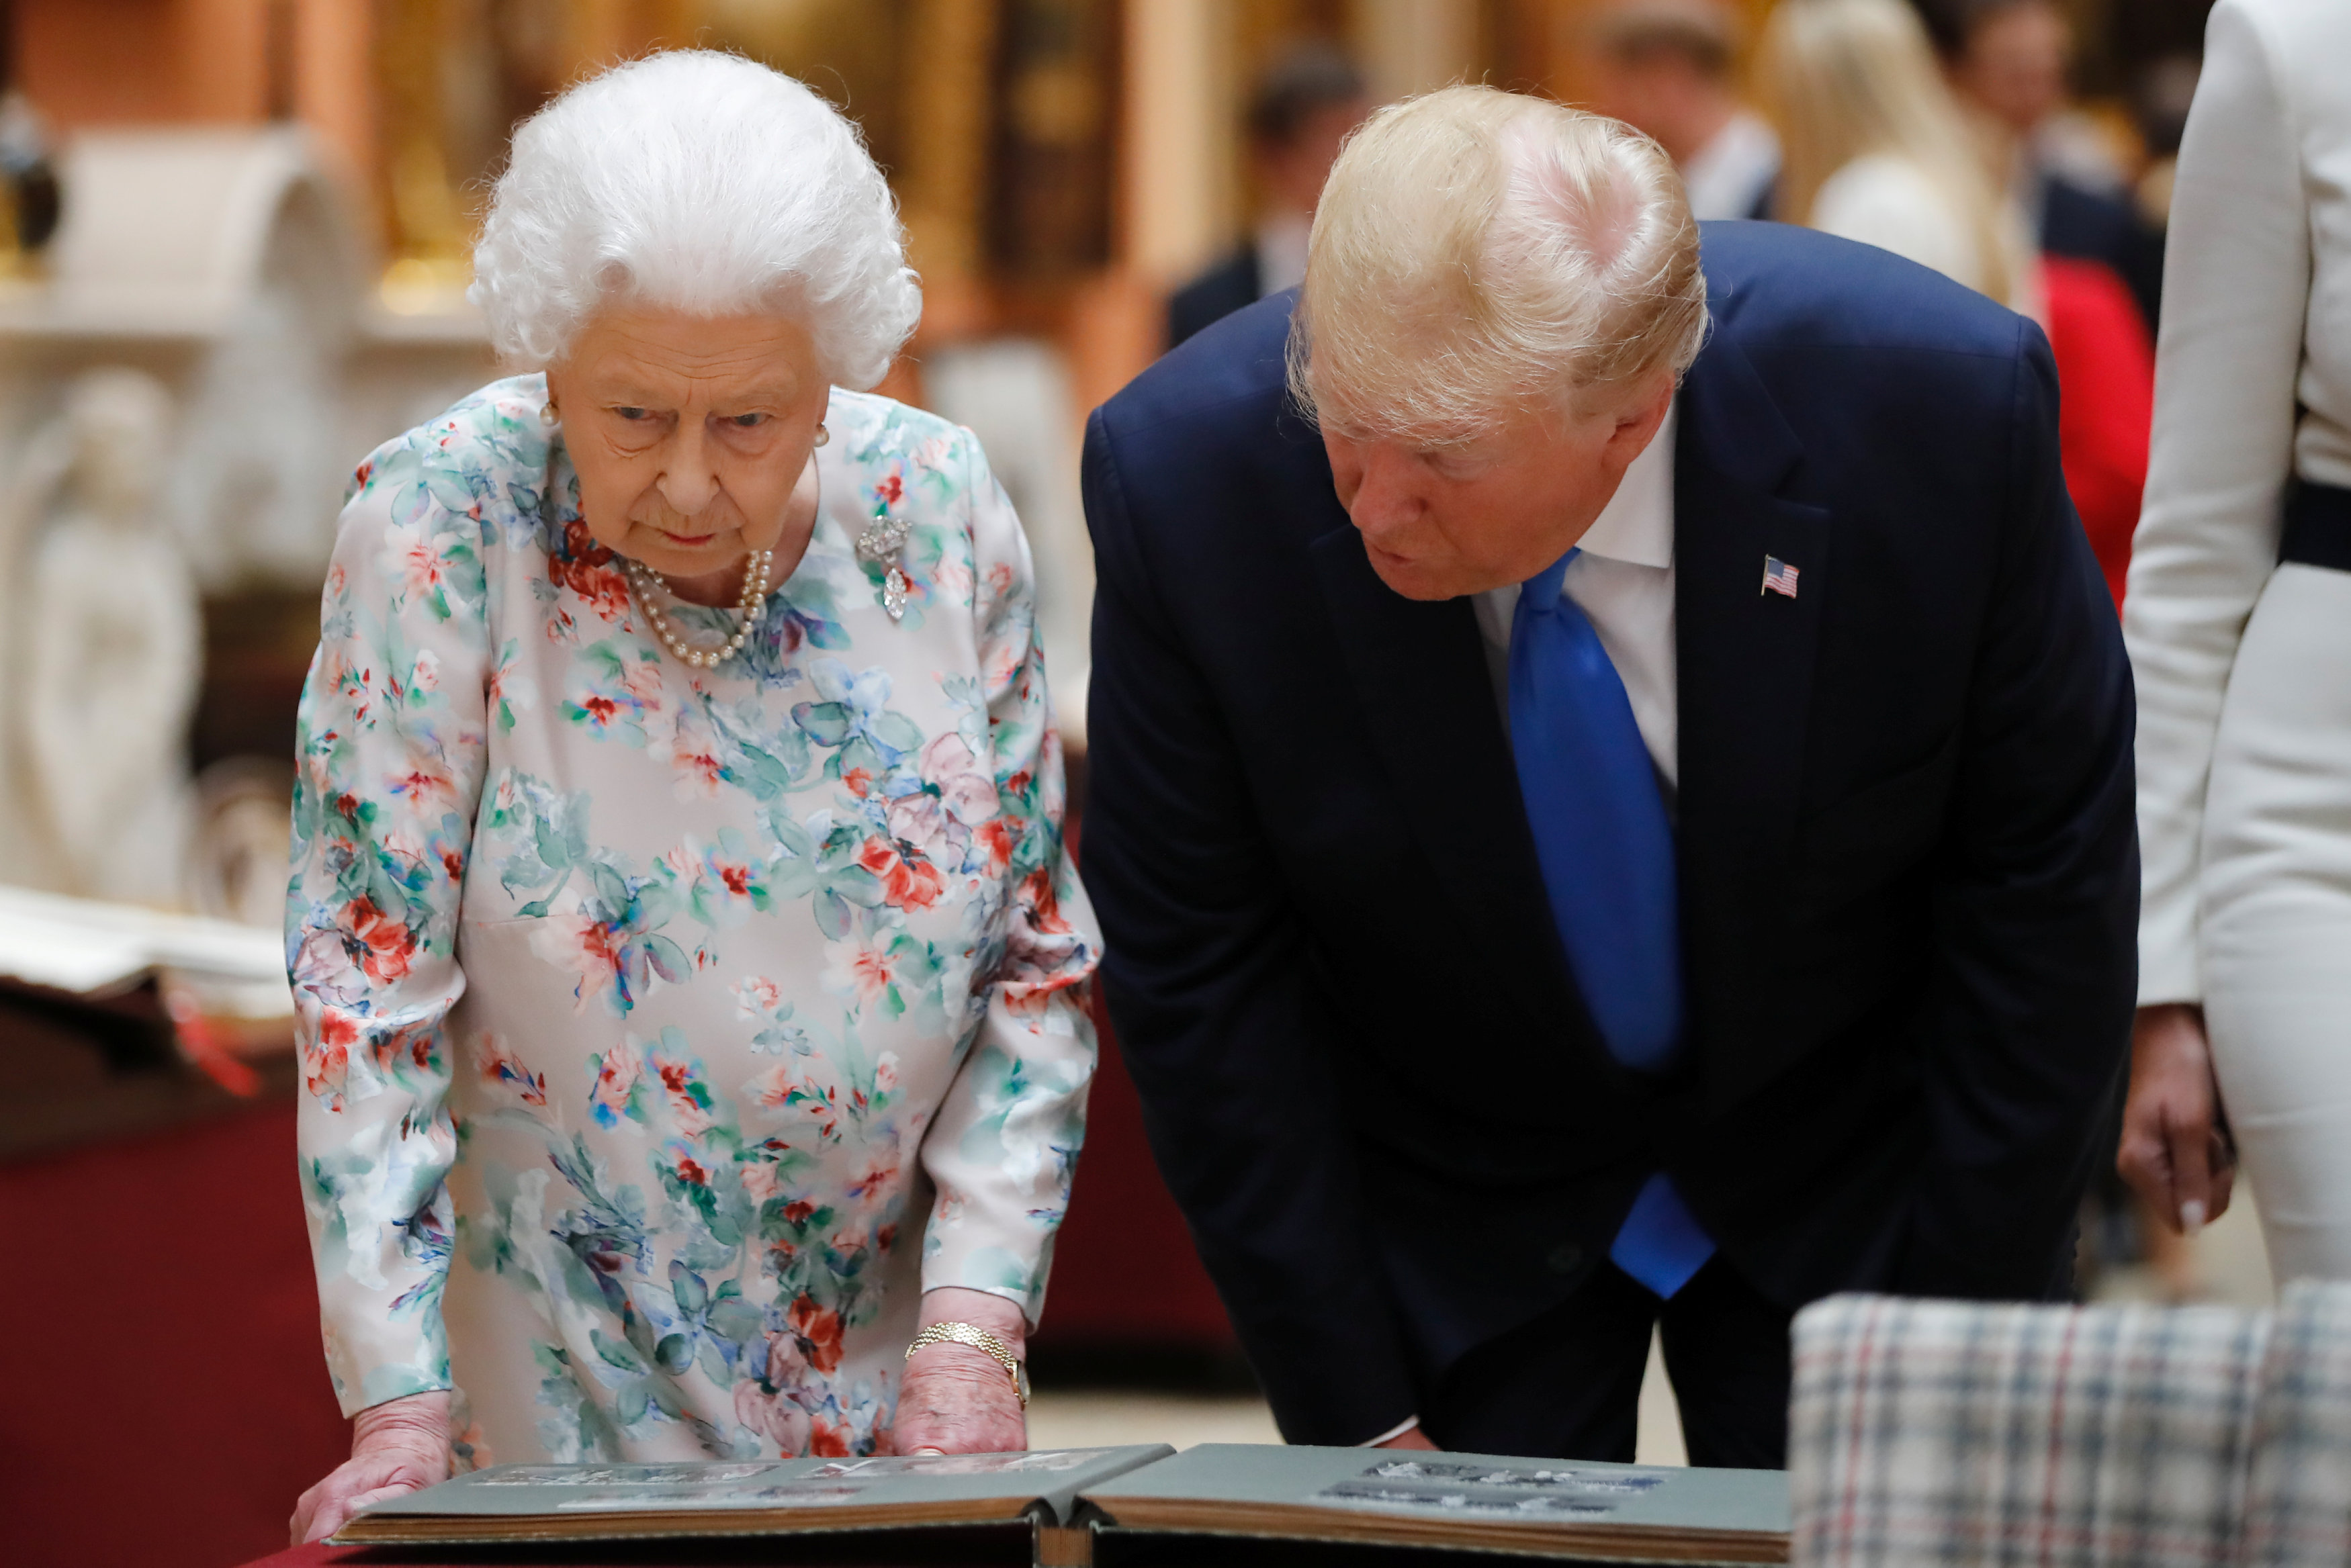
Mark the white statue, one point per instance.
(107, 646)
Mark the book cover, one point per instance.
(619, 1501)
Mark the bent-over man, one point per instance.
(1611, 795)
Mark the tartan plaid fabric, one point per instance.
(1943, 1432)
(2298, 1502)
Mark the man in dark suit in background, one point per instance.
(1668, 70)
(1596, 833)
(1301, 110)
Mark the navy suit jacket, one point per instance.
(1907, 856)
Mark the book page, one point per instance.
(629, 1487)
(1419, 1486)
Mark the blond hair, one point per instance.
(1476, 251)
(1843, 79)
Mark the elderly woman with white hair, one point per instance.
(689, 969)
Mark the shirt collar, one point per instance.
(1637, 525)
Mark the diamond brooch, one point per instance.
(882, 540)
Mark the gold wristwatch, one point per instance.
(979, 1339)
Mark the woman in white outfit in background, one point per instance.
(1875, 149)
(2239, 624)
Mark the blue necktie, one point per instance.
(1607, 856)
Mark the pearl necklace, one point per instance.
(752, 607)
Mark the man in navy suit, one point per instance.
(1609, 795)
(1300, 110)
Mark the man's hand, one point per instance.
(398, 1446)
(957, 1400)
(1412, 1436)
(2175, 1151)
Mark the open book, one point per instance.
(1475, 1501)
(760, 1497)
(85, 948)
(1075, 1497)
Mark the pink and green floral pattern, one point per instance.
(666, 1032)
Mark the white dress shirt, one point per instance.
(2253, 381)
(1623, 581)
(1281, 239)
(1728, 175)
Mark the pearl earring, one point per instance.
(822, 434)
(546, 414)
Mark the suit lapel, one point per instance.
(1746, 660)
(1418, 663)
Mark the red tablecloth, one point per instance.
(167, 1398)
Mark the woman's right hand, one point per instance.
(1412, 1436)
(2176, 1152)
(398, 1446)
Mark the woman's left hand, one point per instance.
(957, 1400)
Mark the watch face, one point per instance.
(1020, 1380)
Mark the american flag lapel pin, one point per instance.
(1779, 577)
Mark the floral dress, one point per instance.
(665, 1032)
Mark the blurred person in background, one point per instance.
(1665, 67)
(2106, 364)
(1300, 111)
(2161, 99)
(2239, 626)
(2008, 59)
(2101, 271)
(1878, 149)
(1874, 148)
(679, 899)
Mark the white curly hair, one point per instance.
(704, 182)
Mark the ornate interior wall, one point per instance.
(1002, 119)
(1061, 164)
